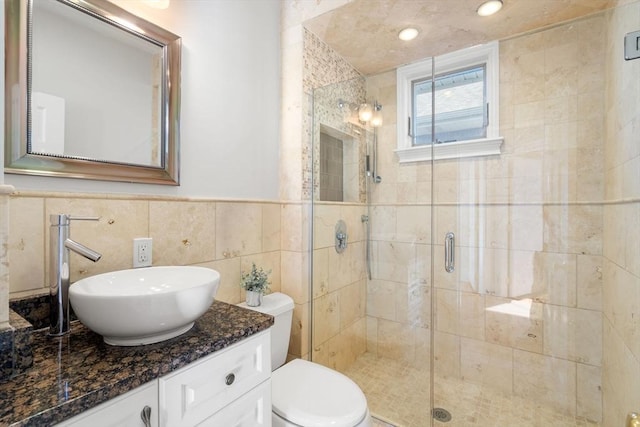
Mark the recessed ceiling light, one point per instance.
(408, 34)
(489, 7)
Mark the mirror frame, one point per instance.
(18, 20)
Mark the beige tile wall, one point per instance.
(225, 235)
(339, 286)
(621, 292)
(339, 296)
(522, 311)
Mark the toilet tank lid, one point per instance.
(273, 304)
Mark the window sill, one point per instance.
(451, 150)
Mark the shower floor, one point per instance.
(398, 394)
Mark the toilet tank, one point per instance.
(280, 306)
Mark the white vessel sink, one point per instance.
(144, 305)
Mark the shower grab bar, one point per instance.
(449, 252)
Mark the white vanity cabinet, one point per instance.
(123, 411)
(230, 388)
(206, 387)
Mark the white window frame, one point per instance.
(482, 54)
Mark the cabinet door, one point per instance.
(122, 411)
(194, 393)
(250, 410)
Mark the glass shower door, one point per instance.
(517, 321)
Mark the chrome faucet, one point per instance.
(60, 246)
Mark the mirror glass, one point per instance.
(94, 93)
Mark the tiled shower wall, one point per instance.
(621, 291)
(339, 327)
(523, 310)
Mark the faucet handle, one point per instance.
(64, 219)
(84, 218)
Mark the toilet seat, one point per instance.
(308, 394)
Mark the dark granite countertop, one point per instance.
(79, 371)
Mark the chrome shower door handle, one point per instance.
(449, 252)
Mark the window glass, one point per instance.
(460, 107)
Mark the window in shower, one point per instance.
(460, 107)
(449, 105)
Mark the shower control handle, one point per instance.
(449, 252)
(341, 236)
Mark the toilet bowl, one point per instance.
(303, 393)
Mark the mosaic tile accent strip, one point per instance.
(398, 393)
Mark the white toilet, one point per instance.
(303, 393)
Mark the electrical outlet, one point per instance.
(142, 252)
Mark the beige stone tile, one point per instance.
(26, 244)
(554, 278)
(472, 315)
(372, 335)
(413, 224)
(573, 229)
(271, 226)
(229, 290)
(381, 296)
(352, 216)
(383, 222)
(183, 232)
(393, 260)
(340, 267)
(447, 311)
(522, 275)
(446, 354)
(325, 219)
(299, 342)
(352, 304)
(632, 238)
(321, 272)
(514, 323)
(619, 366)
(238, 229)
(621, 294)
(589, 398)
(294, 279)
(291, 227)
(559, 110)
(352, 344)
(573, 334)
(326, 321)
(120, 222)
(396, 340)
(412, 304)
(486, 363)
(589, 282)
(529, 114)
(546, 379)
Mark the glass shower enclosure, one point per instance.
(512, 332)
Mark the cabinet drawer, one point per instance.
(192, 394)
(122, 411)
(251, 410)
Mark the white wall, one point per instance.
(230, 102)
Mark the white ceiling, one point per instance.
(365, 32)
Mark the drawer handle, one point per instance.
(145, 415)
(230, 379)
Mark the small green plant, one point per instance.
(256, 280)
